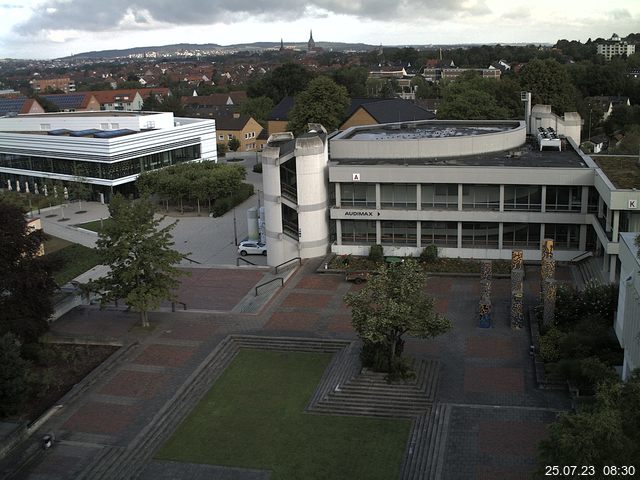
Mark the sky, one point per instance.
(42, 29)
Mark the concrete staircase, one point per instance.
(425, 451)
(368, 393)
(589, 270)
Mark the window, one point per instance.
(358, 195)
(521, 235)
(230, 136)
(481, 197)
(440, 196)
(523, 197)
(45, 126)
(399, 233)
(442, 234)
(358, 232)
(480, 234)
(401, 196)
(565, 237)
(563, 199)
(220, 137)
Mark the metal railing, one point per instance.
(288, 261)
(581, 256)
(191, 260)
(173, 306)
(267, 283)
(244, 260)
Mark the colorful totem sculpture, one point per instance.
(548, 284)
(485, 294)
(517, 289)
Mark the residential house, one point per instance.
(123, 100)
(72, 102)
(279, 117)
(65, 84)
(607, 103)
(242, 127)
(376, 111)
(615, 46)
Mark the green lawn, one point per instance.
(253, 417)
(94, 226)
(74, 260)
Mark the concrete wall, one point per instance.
(627, 321)
(85, 120)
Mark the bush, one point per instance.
(376, 253)
(257, 168)
(429, 253)
(223, 205)
(13, 375)
(222, 149)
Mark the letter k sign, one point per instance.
(633, 203)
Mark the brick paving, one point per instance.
(497, 413)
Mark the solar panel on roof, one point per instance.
(84, 133)
(59, 132)
(114, 133)
(11, 105)
(65, 101)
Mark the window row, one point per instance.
(445, 234)
(474, 197)
(108, 171)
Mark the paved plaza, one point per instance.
(486, 380)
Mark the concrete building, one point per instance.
(476, 189)
(615, 46)
(66, 84)
(107, 150)
(627, 322)
(74, 102)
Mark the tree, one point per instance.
(26, 280)
(630, 144)
(234, 144)
(138, 252)
(600, 434)
(469, 98)
(322, 102)
(549, 84)
(79, 189)
(354, 79)
(391, 305)
(286, 80)
(13, 375)
(258, 108)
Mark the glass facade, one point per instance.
(565, 237)
(522, 235)
(398, 195)
(480, 234)
(104, 170)
(480, 197)
(399, 233)
(289, 180)
(440, 196)
(358, 195)
(442, 234)
(358, 232)
(523, 197)
(563, 199)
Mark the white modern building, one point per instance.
(476, 189)
(627, 323)
(615, 46)
(107, 150)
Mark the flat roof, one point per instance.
(527, 155)
(90, 113)
(623, 172)
(431, 129)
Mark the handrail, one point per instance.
(289, 261)
(581, 256)
(173, 306)
(267, 283)
(191, 260)
(244, 260)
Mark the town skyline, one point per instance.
(42, 29)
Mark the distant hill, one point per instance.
(172, 50)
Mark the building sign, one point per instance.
(360, 213)
(356, 177)
(633, 204)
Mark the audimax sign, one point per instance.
(360, 213)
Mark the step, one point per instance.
(366, 411)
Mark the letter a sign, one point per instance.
(356, 177)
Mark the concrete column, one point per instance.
(612, 268)
(459, 197)
(378, 198)
(419, 197)
(501, 207)
(616, 225)
(584, 207)
(542, 235)
(607, 223)
(582, 243)
(338, 195)
(500, 232)
(605, 261)
(459, 234)
(600, 206)
(543, 200)
(339, 232)
(378, 232)
(419, 233)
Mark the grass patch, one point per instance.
(53, 244)
(622, 171)
(74, 260)
(96, 225)
(253, 417)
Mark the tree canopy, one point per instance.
(549, 84)
(258, 108)
(284, 81)
(323, 102)
(392, 304)
(26, 281)
(138, 252)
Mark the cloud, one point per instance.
(10, 5)
(91, 15)
(519, 13)
(620, 14)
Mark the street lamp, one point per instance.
(235, 229)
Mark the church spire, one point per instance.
(281, 45)
(311, 44)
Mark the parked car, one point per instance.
(249, 247)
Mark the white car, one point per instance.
(252, 248)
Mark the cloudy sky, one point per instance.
(56, 28)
